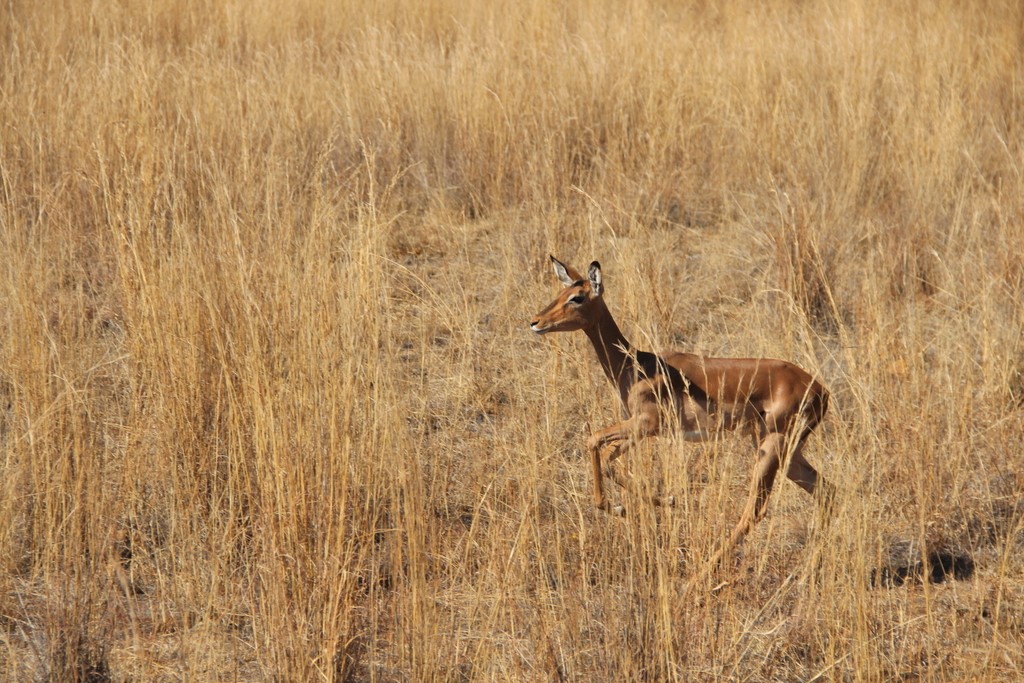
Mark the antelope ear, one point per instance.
(566, 274)
(595, 278)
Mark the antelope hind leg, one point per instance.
(761, 483)
(803, 474)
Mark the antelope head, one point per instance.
(574, 307)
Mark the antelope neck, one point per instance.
(614, 351)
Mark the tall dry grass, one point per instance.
(270, 408)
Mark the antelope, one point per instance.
(776, 402)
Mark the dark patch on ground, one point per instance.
(938, 566)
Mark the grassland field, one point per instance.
(270, 409)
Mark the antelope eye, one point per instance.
(578, 299)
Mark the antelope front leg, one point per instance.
(594, 446)
(614, 439)
(613, 442)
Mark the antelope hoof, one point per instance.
(614, 510)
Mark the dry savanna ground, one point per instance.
(270, 409)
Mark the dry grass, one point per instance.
(269, 407)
